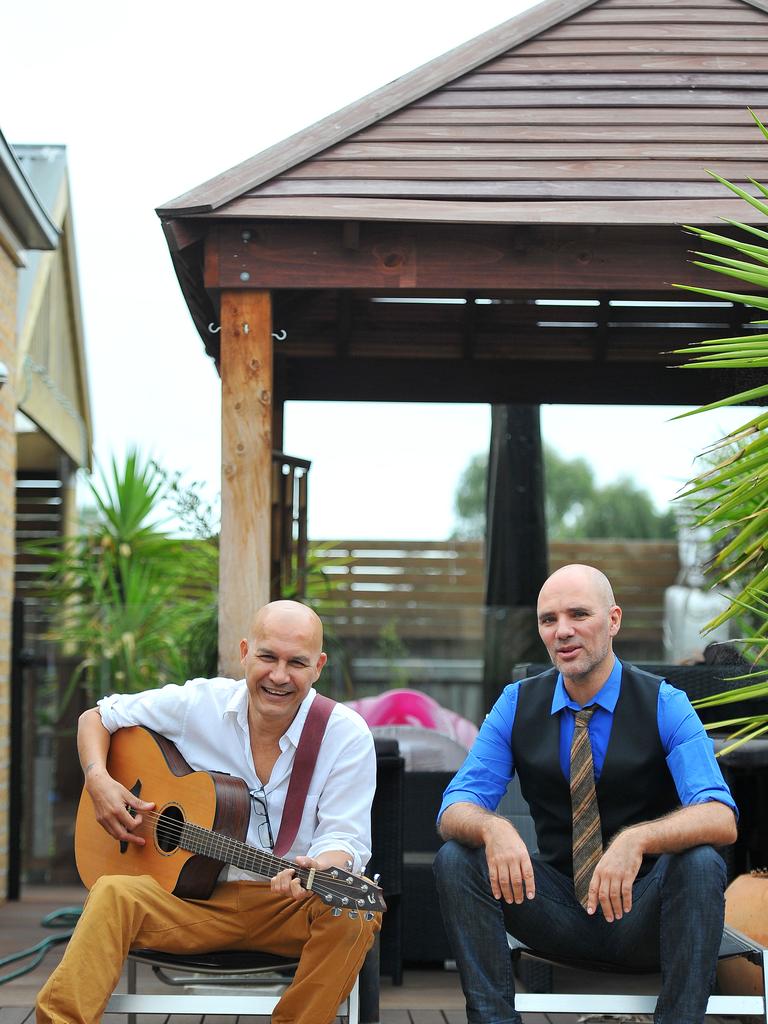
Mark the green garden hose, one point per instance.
(64, 917)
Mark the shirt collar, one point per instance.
(606, 696)
(237, 705)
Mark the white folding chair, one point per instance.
(733, 944)
(228, 982)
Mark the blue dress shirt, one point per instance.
(490, 765)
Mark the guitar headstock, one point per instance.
(341, 889)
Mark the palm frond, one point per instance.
(730, 495)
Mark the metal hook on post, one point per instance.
(277, 335)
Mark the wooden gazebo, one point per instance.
(501, 225)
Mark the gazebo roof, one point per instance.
(576, 111)
(377, 242)
(586, 125)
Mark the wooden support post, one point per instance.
(246, 467)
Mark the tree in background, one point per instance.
(576, 507)
(469, 500)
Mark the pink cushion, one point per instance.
(412, 707)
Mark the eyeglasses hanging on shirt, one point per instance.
(259, 798)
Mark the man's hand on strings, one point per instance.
(111, 803)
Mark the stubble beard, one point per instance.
(573, 671)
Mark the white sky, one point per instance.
(152, 99)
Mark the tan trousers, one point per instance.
(124, 912)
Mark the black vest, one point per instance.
(635, 783)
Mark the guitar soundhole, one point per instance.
(168, 828)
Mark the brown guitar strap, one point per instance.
(303, 767)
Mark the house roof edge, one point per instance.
(35, 228)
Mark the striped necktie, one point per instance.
(587, 836)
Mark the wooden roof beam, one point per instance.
(527, 258)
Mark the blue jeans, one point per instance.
(675, 926)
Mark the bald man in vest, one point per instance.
(250, 728)
(628, 803)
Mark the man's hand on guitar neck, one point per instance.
(286, 882)
(112, 803)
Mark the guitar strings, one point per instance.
(208, 843)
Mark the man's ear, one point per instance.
(243, 650)
(614, 616)
(320, 664)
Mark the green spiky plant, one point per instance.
(730, 496)
(127, 596)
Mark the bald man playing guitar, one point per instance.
(279, 901)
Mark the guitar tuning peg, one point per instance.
(376, 878)
(353, 914)
(336, 912)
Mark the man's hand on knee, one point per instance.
(614, 876)
(509, 864)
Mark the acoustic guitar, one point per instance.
(198, 825)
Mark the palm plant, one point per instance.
(126, 594)
(730, 496)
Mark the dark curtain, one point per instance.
(516, 562)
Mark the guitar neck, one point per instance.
(231, 851)
(334, 886)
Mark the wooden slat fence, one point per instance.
(432, 592)
(40, 513)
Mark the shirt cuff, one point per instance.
(324, 845)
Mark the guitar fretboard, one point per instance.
(212, 844)
(333, 886)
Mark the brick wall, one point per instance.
(8, 279)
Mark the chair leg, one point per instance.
(131, 986)
(353, 1003)
(369, 984)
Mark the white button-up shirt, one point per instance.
(207, 720)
